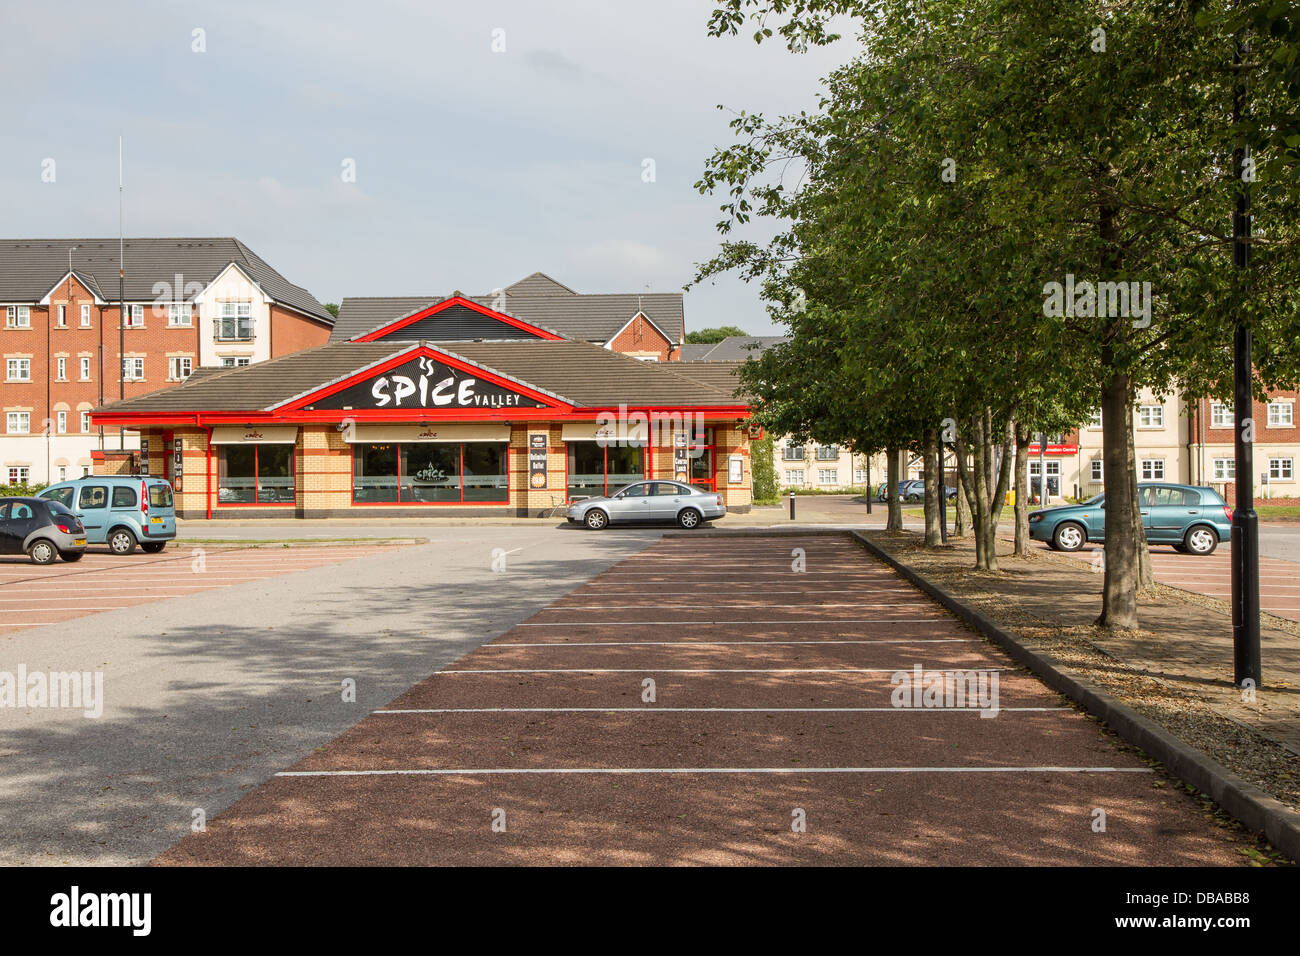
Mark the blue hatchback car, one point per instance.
(1192, 518)
(122, 511)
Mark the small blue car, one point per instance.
(1192, 518)
(122, 511)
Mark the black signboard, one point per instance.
(426, 383)
(537, 449)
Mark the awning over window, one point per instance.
(365, 434)
(621, 433)
(255, 434)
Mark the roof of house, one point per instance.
(734, 348)
(719, 375)
(581, 373)
(537, 299)
(29, 268)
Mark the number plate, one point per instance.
(155, 520)
(79, 542)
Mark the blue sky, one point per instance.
(473, 167)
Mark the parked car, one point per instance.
(121, 511)
(42, 530)
(1192, 518)
(913, 490)
(646, 501)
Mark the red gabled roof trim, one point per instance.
(510, 320)
(551, 402)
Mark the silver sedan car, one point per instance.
(647, 501)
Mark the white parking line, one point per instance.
(807, 620)
(704, 610)
(706, 670)
(886, 640)
(715, 710)
(498, 771)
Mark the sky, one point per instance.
(473, 167)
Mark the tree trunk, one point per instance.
(1119, 592)
(962, 526)
(980, 506)
(1001, 455)
(1022, 490)
(895, 520)
(930, 455)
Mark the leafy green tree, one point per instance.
(713, 336)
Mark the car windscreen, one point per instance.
(160, 496)
(57, 510)
(1096, 500)
(62, 495)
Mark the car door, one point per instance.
(1174, 510)
(1146, 508)
(92, 509)
(7, 545)
(631, 504)
(21, 522)
(665, 500)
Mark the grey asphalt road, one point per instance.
(210, 694)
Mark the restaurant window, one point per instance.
(255, 474)
(597, 469)
(429, 473)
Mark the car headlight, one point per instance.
(1034, 518)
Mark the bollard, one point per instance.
(792, 506)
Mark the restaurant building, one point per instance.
(453, 409)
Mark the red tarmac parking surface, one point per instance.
(1211, 575)
(32, 595)
(668, 712)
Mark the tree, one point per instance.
(713, 336)
(332, 308)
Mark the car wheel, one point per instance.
(121, 541)
(42, 552)
(1201, 540)
(1069, 536)
(689, 518)
(72, 555)
(153, 547)
(596, 519)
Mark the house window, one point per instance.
(18, 475)
(473, 472)
(63, 423)
(179, 368)
(134, 317)
(1094, 418)
(1053, 476)
(61, 369)
(1151, 416)
(233, 362)
(1279, 414)
(85, 421)
(18, 317)
(828, 476)
(62, 320)
(1220, 415)
(1224, 469)
(793, 452)
(859, 476)
(85, 369)
(85, 316)
(794, 476)
(1096, 473)
(828, 452)
(1279, 469)
(63, 472)
(180, 314)
(255, 474)
(18, 423)
(236, 322)
(133, 369)
(1153, 469)
(18, 370)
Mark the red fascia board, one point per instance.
(402, 359)
(467, 303)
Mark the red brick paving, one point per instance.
(556, 741)
(32, 595)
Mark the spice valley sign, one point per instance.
(425, 383)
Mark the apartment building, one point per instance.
(188, 303)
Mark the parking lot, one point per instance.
(1211, 575)
(32, 595)
(716, 700)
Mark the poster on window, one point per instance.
(735, 469)
(538, 443)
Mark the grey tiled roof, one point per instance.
(537, 299)
(734, 348)
(579, 372)
(29, 268)
(719, 375)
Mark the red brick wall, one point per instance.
(642, 338)
(1259, 411)
(293, 332)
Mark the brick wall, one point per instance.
(293, 332)
(641, 339)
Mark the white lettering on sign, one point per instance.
(395, 389)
